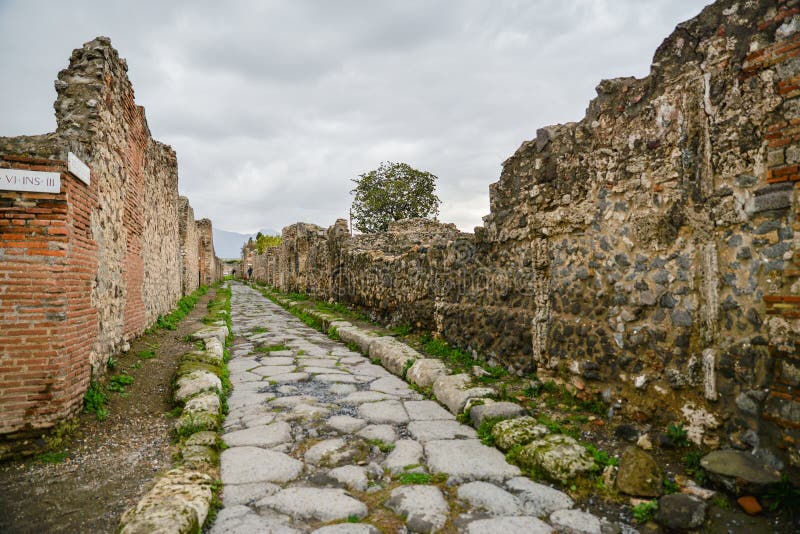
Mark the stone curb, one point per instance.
(180, 500)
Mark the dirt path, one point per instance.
(109, 464)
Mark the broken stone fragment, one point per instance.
(425, 371)
(639, 474)
(178, 502)
(453, 391)
(394, 355)
(506, 410)
(559, 456)
(195, 382)
(519, 431)
(738, 472)
(680, 512)
(423, 507)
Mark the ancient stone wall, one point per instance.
(650, 250)
(210, 266)
(85, 269)
(190, 246)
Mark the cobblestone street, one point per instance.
(318, 434)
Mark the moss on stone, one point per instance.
(519, 431)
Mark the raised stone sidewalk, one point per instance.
(322, 440)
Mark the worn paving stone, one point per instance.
(429, 430)
(241, 519)
(457, 457)
(342, 389)
(385, 433)
(241, 465)
(390, 411)
(510, 525)
(339, 379)
(306, 412)
(289, 377)
(345, 424)
(538, 499)
(575, 522)
(352, 476)
(260, 436)
(426, 410)
(393, 386)
(316, 452)
(406, 452)
(316, 370)
(348, 528)
(361, 397)
(233, 494)
(273, 370)
(506, 410)
(486, 496)
(423, 507)
(322, 504)
(291, 401)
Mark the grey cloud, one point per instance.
(273, 106)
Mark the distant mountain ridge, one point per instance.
(228, 245)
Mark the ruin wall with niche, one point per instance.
(85, 269)
(650, 251)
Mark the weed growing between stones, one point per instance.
(406, 367)
(484, 430)
(670, 486)
(460, 360)
(216, 503)
(382, 445)
(601, 458)
(95, 400)
(644, 512)
(784, 496)
(691, 464)
(190, 425)
(411, 477)
(260, 330)
(333, 333)
(111, 363)
(678, 435)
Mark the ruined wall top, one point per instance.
(658, 134)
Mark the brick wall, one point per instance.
(47, 323)
(85, 270)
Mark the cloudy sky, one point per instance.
(274, 105)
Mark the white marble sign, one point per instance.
(78, 168)
(34, 181)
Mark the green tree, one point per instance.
(263, 242)
(392, 192)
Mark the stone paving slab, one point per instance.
(313, 430)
